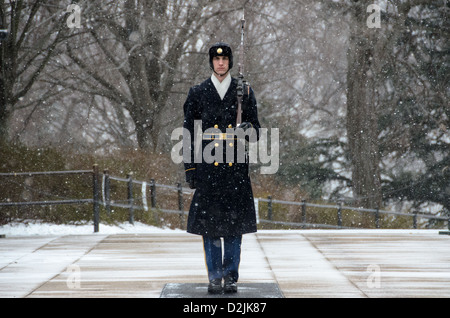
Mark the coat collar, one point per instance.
(228, 95)
(221, 87)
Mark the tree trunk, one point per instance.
(362, 125)
(3, 126)
(3, 113)
(25, 54)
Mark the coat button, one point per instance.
(216, 144)
(216, 126)
(216, 163)
(230, 144)
(230, 164)
(230, 126)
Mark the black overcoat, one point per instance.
(223, 202)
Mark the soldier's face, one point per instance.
(221, 64)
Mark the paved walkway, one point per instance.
(308, 263)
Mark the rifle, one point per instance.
(241, 81)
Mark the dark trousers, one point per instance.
(218, 268)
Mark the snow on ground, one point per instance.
(30, 228)
(39, 228)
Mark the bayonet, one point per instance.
(240, 87)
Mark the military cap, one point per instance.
(220, 49)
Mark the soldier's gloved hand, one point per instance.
(190, 178)
(245, 125)
(192, 184)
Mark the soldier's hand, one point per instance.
(245, 125)
(192, 184)
(190, 177)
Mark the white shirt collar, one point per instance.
(221, 88)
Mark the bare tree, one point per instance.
(131, 55)
(35, 30)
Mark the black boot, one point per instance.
(215, 286)
(230, 285)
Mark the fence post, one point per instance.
(269, 208)
(303, 212)
(448, 225)
(153, 200)
(377, 217)
(415, 220)
(180, 204)
(96, 196)
(107, 191)
(153, 193)
(130, 197)
(339, 214)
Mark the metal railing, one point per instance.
(129, 203)
(93, 200)
(101, 196)
(339, 216)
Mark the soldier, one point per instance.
(222, 206)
